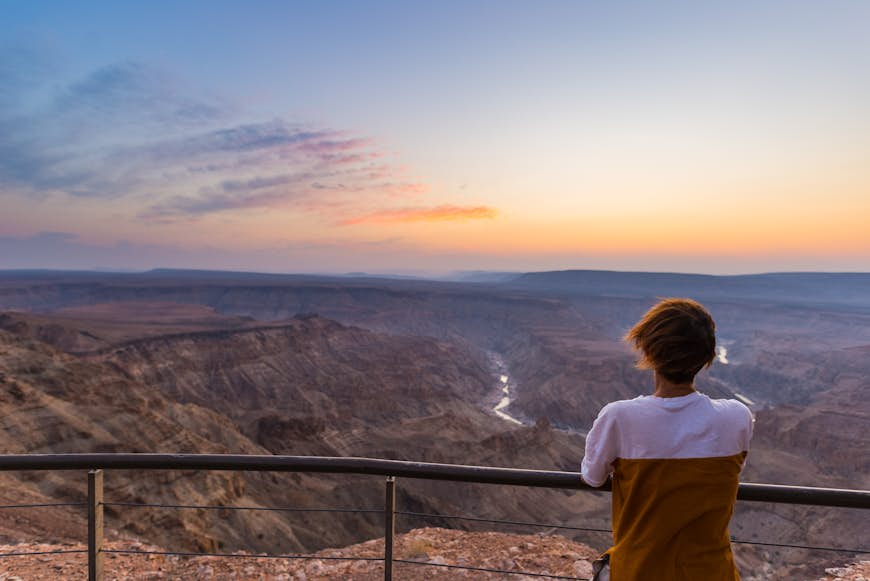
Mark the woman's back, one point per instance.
(675, 464)
(675, 456)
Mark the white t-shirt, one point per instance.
(690, 426)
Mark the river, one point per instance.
(505, 386)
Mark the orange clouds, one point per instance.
(443, 213)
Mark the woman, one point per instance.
(674, 457)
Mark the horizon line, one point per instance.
(424, 275)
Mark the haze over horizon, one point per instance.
(428, 138)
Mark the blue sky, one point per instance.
(432, 136)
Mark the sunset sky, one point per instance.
(427, 137)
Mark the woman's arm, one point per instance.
(602, 448)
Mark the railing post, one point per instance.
(389, 527)
(95, 525)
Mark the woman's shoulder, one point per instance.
(623, 404)
(730, 406)
(732, 415)
(621, 407)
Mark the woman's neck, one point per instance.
(667, 388)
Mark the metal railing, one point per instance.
(94, 464)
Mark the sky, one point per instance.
(429, 137)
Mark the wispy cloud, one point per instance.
(66, 139)
(130, 131)
(444, 213)
(134, 93)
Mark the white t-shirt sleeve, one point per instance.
(746, 427)
(602, 448)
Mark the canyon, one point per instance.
(271, 364)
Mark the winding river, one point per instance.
(505, 386)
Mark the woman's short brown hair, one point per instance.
(677, 338)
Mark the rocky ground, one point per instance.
(427, 548)
(859, 571)
(426, 552)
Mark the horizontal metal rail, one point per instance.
(230, 507)
(520, 523)
(43, 505)
(423, 470)
(240, 555)
(32, 553)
